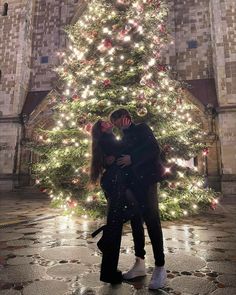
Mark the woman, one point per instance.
(114, 182)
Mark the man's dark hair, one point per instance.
(117, 114)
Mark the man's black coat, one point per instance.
(141, 144)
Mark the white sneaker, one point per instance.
(137, 270)
(158, 279)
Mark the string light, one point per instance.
(160, 96)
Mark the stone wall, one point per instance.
(49, 37)
(15, 53)
(191, 51)
(191, 55)
(224, 51)
(30, 30)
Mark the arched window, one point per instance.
(5, 9)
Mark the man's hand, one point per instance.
(109, 160)
(124, 161)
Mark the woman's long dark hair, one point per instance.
(97, 154)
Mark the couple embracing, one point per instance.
(128, 171)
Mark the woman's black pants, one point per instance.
(110, 242)
(114, 187)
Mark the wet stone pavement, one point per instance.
(42, 252)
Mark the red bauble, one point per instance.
(88, 127)
(140, 8)
(161, 68)
(179, 100)
(141, 97)
(107, 82)
(107, 43)
(71, 203)
(75, 97)
(94, 197)
(123, 33)
(161, 28)
(172, 185)
(206, 151)
(167, 148)
(213, 205)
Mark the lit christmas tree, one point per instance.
(114, 60)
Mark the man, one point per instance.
(142, 154)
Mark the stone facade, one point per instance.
(204, 47)
(224, 57)
(15, 52)
(203, 53)
(191, 52)
(30, 35)
(48, 39)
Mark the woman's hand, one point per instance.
(125, 123)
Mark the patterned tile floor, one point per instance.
(44, 253)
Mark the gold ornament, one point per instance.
(142, 111)
(130, 62)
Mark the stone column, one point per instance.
(223, 30)
(15, 39)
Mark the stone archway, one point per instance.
(210, 164)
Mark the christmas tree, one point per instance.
(115, 60)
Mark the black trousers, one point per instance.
(110, 242)
(149, 213)
(114, 185)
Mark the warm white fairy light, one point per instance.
(162, 206)
(118, 137)
(167, 169)
(216, 201)
(89, 199)
(152, 62)
(181, 175)
(127, 38)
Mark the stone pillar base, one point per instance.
(228, 184)
(7, 182)
(214, 182)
